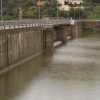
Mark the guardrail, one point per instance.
(20, 24)
(30, 23)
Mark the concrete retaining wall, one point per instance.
(3, 49)
(17, 44)
(61, 33)
(73, 31)
(80, 26)
(89, 25)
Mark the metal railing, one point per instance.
(30, 23)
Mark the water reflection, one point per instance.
(71, 72)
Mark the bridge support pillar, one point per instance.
(80, 25)
(74, 31)
(61, 33)
(48, 39)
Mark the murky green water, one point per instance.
(71, 72)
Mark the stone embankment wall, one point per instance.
(17, 44)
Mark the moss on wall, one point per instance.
(96, 30)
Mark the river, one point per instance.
(70, 72)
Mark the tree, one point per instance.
(30, 3)
(72, 12)
(11, 4)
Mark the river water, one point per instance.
(71, 72)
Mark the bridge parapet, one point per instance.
(30, 23)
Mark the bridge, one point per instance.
(22, 39)
(10, 24)
(58, 28)
(31, 23)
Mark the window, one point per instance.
(66, 2)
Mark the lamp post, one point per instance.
(67, 15)
(57, 9)
(82, 12)
(1, 10)
(74, 11)
(39, 11)
(79, 12)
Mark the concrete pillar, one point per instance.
(68, 30)
(80, 28)
(55, 35)
(64, 34)
(61, 33)
(48, 39)
(74, 31)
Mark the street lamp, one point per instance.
(74, 13)
(1, 10)
(39, 11)
(79, 12)
(57, 9)
(74, 10)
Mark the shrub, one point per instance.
(7, 17)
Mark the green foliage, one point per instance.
(7, 17)
(96, 30)
(92, 9)
(30, 3)
(94, 13)
(29, 13)
(77, 13)
(11, 4)
(92, 1)
(72, 12)
(11, 8)
(70, 4)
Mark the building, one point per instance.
(66, 4)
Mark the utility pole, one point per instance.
(57, 9)
(39, 11)
(1, 10)
(79, 12)
(74, 11)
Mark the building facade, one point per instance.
(66, 4)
